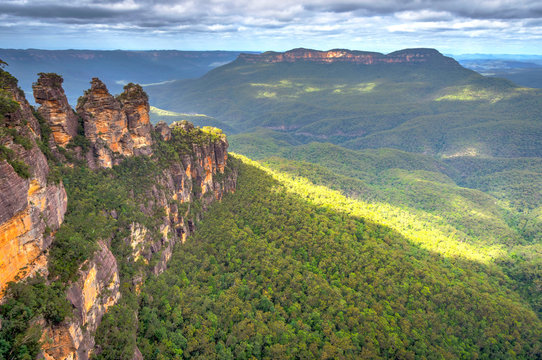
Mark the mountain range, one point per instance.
(376, 206)
(115, 68)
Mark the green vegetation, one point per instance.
(25, 303)
(8, 134)
(278, 270)
(496, 219)
(102, 204)
(200, 120)
(436, 108)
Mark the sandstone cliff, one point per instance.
(31, 207)
(196, 181)
(135, 104)
(95, 291)
(115, 127)
(33, 204)
(55, 109)
(412, 56)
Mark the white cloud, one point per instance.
(263, 24)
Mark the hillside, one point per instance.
(437, 152)
(431, 106)
(280, 270)
(123, 239)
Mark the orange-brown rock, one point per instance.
(163, 130)
(55, 109)
(135, 104)
(95, 291)
(27, 205)
(116, 127)
(105, 126)
(195, 178)
(349, 56)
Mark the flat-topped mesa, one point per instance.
(349, 56)
(55, 108)
(135, 104)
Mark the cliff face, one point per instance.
(135, 104)
(55, 109)
(105, 126)
(200, 177)
(95, 291)
(29, 204)
(32, 208)
(348, 56)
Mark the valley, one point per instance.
(371, 206)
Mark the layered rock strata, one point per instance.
(135, 104)
(55, 109)
(348, 56)
(31, 207)
(105, 125)
(96, 289)
(200, 177)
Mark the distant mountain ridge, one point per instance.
(420, 55)
(116, 68)
(415, 100)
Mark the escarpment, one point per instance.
(412, 56)
(32, 206)
(156, 181)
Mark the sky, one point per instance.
(453, 27)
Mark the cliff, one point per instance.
(410, 56)
(31, 207)
(181, 171)
(55, 109)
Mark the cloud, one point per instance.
(276, 22)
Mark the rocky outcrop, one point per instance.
(55, 109)
(96, 290)
(163, 130)
(115, 127)
(348, 56)
(201, 177)
(106, 126)
(135, 104)
(31, 208)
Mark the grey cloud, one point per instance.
(226, 16)
(145, 12)
(484, 9)
(43, 11)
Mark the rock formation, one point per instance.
(194, 178)
(31, 207)
(96, 289)
(135, 105)
(105, 126)
(32, 204)
(115, 127)
(55, 109)
(349, 56)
